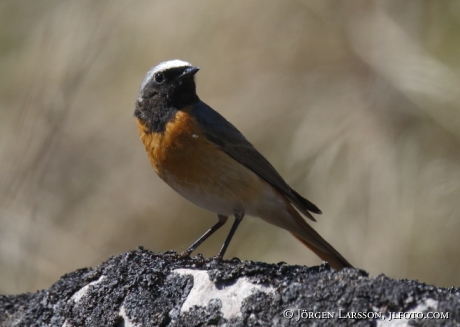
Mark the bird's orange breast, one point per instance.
(185, 159)
(173, 151)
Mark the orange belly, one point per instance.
(201, 172)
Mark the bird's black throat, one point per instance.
(158, 104)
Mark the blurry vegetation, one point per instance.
(357, 105)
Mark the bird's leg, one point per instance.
(221, 221)
(238, 218)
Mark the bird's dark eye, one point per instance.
(159, 78)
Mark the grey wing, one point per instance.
(229, 139)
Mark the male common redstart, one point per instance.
(208, 161)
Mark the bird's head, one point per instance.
(168, 84)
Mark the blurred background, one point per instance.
(356, 104)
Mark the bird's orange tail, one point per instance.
(334, 258)
(310, 238)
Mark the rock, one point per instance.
(142, 288)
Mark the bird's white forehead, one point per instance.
(162, 67)
(170, 64)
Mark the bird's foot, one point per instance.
(185, 254)
(218, 257)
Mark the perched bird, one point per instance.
(204, 158)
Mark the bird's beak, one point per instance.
(189, 72)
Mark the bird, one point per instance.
(208, 161)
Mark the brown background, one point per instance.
(356, 103)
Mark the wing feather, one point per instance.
(230, 140)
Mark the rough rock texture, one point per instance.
(141, 288)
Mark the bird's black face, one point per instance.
(173, 85)
(167, 87)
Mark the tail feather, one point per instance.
(307, 204)
(334, 258)
(310, 238)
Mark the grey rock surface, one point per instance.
(142, 288)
